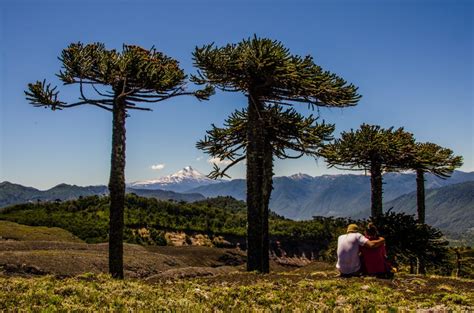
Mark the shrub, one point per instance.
(408, 241)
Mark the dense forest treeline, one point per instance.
(87, 218)
(225, 218)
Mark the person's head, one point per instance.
(371, 230)
(352, 228)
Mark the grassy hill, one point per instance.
(14, 231)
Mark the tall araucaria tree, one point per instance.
(431, 158)
(120, 81)
(374, 149)
(270, 77)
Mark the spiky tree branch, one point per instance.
(136, 74)
(288, 130)
(267, 67)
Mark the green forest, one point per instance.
(225, 218)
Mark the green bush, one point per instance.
(409, 242)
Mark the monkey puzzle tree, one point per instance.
(374, 149)
(434, 159)
(121, 80)
(286, 130)
(269, 76)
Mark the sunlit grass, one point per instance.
(236, 292)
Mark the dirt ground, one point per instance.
(211, 266)
(68, 259)
(155, 264)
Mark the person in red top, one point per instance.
(374, 261)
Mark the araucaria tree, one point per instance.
(434, 159)
(374, 149)
(270, 77)
(120, 81)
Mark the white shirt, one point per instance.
(348, 260)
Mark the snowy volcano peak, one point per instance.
(188, 172)
(183, 180)
(300, 176)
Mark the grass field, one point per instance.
(238, 291)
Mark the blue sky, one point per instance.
(412, 61)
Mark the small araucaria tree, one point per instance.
(270, 77)
(374, 149)
(121, 81)
(434, 159)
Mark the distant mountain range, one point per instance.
(13, 193)
(450, 207)
(298, 197)
(302, 196)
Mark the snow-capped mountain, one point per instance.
(300, 176)
(181, 181)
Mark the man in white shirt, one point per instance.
(348, 260)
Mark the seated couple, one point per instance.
(358, 254)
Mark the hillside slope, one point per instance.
(301, 197)
(450, 208)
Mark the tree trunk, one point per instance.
(117, 190)
(458, 262)
(266, 194)
(420, 195)
(412, 266)
(376, 186)
(257, 249)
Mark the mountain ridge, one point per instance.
(299, 196)
(11, 193)
(343, 195)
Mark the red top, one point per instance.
(374, 258)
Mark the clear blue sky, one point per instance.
(413, 62)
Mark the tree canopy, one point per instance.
(288, 131)
(360, 149)
(267, 67)
(435, 159)
(138, 74)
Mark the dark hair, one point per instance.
(372, 231)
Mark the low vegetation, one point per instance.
(301, 290)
